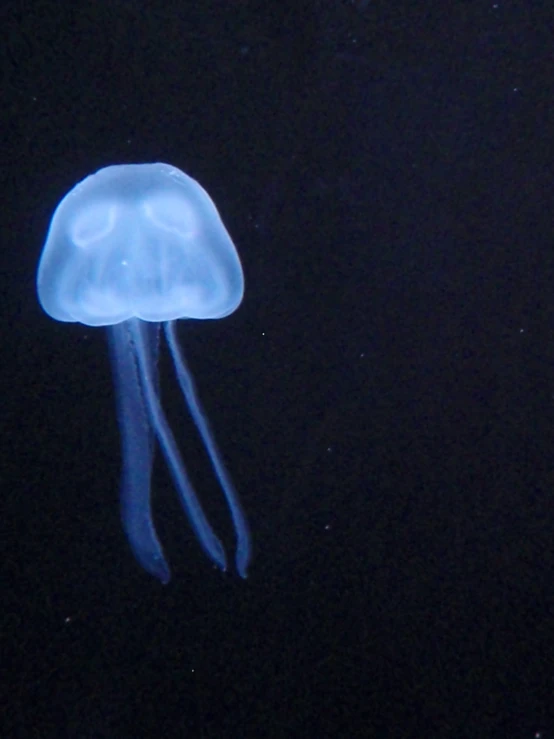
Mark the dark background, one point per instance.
(384, 396)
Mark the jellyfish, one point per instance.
(134, 247)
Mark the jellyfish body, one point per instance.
(132, 247)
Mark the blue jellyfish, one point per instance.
(132, 247)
